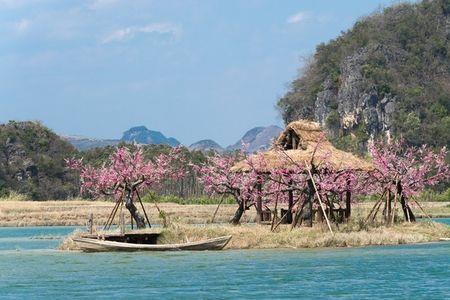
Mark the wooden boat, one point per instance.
(88, 244)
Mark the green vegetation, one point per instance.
(32, 164)
(434, 196)
(402, 53)
(151, 197)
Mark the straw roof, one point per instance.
(297, 144)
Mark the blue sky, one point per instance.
(190, 69)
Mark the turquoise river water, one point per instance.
(31, 268)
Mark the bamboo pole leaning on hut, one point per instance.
(318, 197)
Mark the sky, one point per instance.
(190, 69)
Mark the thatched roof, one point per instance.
(297, 144)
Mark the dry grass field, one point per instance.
(76, 212)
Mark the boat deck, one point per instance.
(146, 238)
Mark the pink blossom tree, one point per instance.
(126, 174)
(402, 172)
(218, 179)
(320, 186)
(259, 185)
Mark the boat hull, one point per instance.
(97, 245)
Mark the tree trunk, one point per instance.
(409, 215)
(348, 204)
(238, 214)
(129, 204)
(259, 217)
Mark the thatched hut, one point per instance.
(299, 143)
(304, 143)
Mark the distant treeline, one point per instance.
(32, 163)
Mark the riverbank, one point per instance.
(260, 237)
(252, 236)
(76, 212)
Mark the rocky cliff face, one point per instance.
(356, 100)
(386, 76)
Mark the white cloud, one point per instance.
(299, 17)
(22, 25)
(130, 32)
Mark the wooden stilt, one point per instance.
(90, 223)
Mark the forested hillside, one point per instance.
(32, 163)
(388, 75)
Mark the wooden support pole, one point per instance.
(143, 209)
(217, 208)
(318, 197)
(112, 212)
(378, 203)
(119, 203)
(90, 223)
(290, 205)
(282, 218)
(421, 208)
(395, 203)
(122, 222)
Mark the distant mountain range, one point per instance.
(206, 145)
(84, 143)
(258, 138)
(142, 135)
